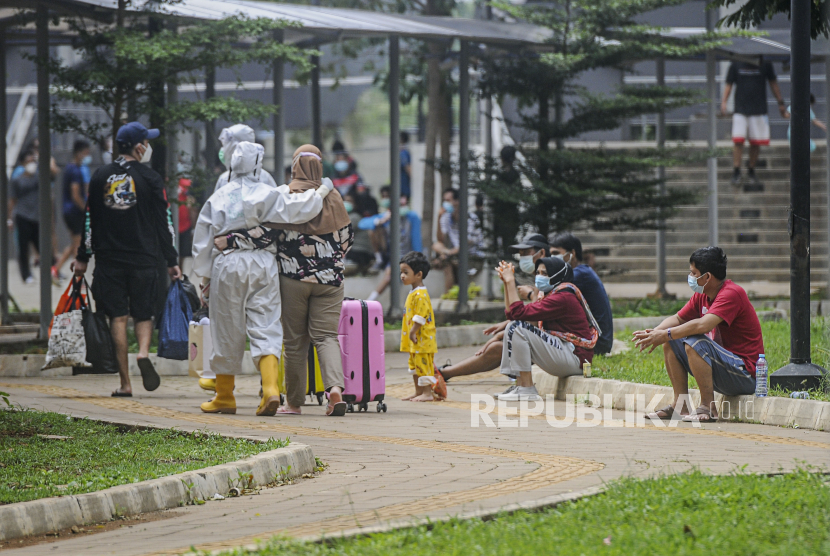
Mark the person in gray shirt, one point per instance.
(23, 213)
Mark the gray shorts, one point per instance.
(526, 345)
(729, 374)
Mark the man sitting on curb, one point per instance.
(715, 337)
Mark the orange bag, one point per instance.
(68, 302)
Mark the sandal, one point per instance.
(119, 394)
(336, 410)
(285, 410)
(668, 413)
(701, 415)
(149, 376)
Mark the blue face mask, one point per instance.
(341, 165)
(543, 284)
(526, 264)
(87, 160)
(385, 203)
(694, 285)
(348, 205)
(448, 207)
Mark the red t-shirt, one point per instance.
(740, 331)
(559, 312)
(184, 211)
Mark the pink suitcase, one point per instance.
(361, 349)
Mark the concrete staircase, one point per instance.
(753, 226)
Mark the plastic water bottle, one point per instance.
(802, 395)
(761, 377)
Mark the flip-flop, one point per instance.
(701, 415)
(284, 410)
(336, 410)
(120, 394)
(668, 413)
(149, 376)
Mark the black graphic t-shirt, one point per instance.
(305, 257)
(750, 86)
(128, 220)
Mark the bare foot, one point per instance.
(409, 398)
(425, 397)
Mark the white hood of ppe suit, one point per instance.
(247, 202)
(230, 138)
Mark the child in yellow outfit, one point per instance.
(418, 331)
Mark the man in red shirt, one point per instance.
(715, 337)
(558, 344)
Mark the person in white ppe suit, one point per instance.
(230, 138)
(244, 284)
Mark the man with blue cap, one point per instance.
(128, 227)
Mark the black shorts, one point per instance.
(186, 244)
(120, 290)
(75, 222)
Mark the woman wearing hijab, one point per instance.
(556, 332)
(311, 267)
(244, 291)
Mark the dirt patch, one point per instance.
(77, 531)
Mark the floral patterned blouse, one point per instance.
(305, 257)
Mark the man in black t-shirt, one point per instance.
(750, 120)
(128, 228)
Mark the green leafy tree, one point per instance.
(596, 187)
(753, 12)
(123, 68)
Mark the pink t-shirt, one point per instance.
(740, 331)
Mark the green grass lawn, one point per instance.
(99, 455)
(645, 368)
(688, 514)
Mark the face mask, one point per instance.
(404, 211)
(148, 153)
(562, 257)
(30, 168)
(87, 160)
(694, 285)
(385, 204)
(107, 157)
(222, 156)
(348, 205)
(543, 284)
(526, 264)
(341, 165)
(448, 207)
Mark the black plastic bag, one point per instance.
(173, 326)
(100, 348)
(192, 294)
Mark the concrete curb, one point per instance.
(484, 515)
(780, 412)
(38, 517)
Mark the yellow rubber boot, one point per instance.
(208, 384)
(223, 401)
(268, 368)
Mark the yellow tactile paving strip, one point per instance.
(550, 470)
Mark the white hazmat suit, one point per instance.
(230, 138)
(245, 286)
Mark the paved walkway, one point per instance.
(417, 460)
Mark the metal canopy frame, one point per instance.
(318, 25)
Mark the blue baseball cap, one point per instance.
(131, 134)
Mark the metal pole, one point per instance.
(463, 155)
(800, 373)
(4, 188)
(316, 108)
(394, 310)
(712, 162)
(487, 273)
(827, 157)
(211, 153)
(172, 163)
(661, 175)
(44, 170)
(278, 72)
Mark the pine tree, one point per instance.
(588, 187)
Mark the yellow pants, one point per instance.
(421, 365)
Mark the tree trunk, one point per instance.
(433, 102)
(544, 208)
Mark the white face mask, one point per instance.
(526, 264)
(562, 256)
(148, 153)
(30, 168)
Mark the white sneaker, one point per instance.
(510, 389)
(30, 280)
(522, 394)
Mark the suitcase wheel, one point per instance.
(350, 408)
(381, 407)
(319, 398)
(282, 399)
(364, 407)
